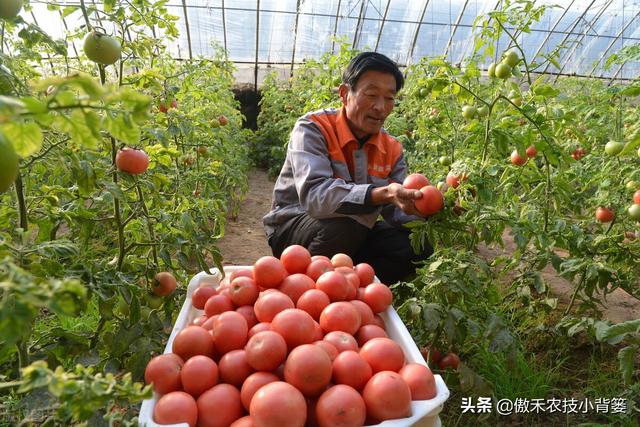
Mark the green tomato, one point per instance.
(102, 48)
(511, 57)
(503, 71)
(444, 160)
(516, 72)
(634, 211)
(424, 92)
(9, 9)
(123, 307)
(154, 301)
(613, 147)
(632, 185)
(492, 70)
(483, 111)
(517, 101)
(8, 164)
(469, 112)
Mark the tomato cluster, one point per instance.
(293, 341)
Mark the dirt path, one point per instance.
(244, 242)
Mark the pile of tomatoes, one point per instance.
(293, 341)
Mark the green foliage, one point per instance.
(80, 240)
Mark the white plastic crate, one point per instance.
(424, 412)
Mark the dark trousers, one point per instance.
(386, 248)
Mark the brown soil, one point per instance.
(244, 242)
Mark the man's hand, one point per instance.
(398, 195)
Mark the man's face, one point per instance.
(369, 103)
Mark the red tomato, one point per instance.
(604, 214)
(318, 267)
(219, 406)
(253, 384)
(453, 180)
(420, 380)
(248, 314)
(198, 375)
(365, 273)
(415, 181)
(234, 367)
(351, 369)
(378, 297)
(341, 260)
(342, 341)
(387, 396)
(201, 296)
(531, 151)
(369, 332)
(271, 303)
(431, 201)
(333, 284)
(218, 304)
(208, 324)
(636, 197)
(319, 333)
(230, 332)
(200, 320)
(174, 408)
(313, 302)
(308, 368)
(260, 327)
(340, 316)
(268, 272)
(266, 351)
(242, 272)
(132, 161)
(366, 314)
(377, 320)
(451, 360)
(295, 285)
(191, 341)
(163, 372)
(164, 284)
(296, 327)
(295, 259)
(324, 257)
(222, 119)
(245, 421)
(383, 354)
(517, 159)
(243, 291)
(331, 349)
(431, 354)
(278, 404)
(341, 406)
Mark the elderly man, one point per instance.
(342, 171)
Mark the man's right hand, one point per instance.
(395, 193)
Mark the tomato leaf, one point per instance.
(26, 137)
(625, 356)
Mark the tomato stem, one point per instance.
(22, 206)
(149, 225)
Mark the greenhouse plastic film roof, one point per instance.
(274, 34)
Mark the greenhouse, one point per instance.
(319, 213)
